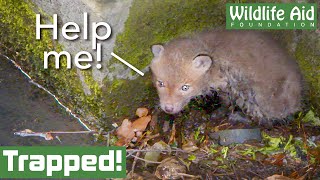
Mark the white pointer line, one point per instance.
(128, 64)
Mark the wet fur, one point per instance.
(249, 69)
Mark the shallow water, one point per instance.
(25, 106)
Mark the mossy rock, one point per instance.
(18, 41)
(308, 56)
(149, 22)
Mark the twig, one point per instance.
(138, 153)
(188, 175)
(156, 150)
(148, 161)
(255, 174)
(223, 174)
(72, 132)
(234, 171)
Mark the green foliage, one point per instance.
(192, 157)
(275, 145)
(311, 118)
(224, 151)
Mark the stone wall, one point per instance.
(115, 91)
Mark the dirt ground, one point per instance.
(170, 147)
(188, 151)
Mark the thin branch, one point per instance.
(148, 161)
(138, 153)
(188, 175)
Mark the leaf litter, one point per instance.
(186, 151)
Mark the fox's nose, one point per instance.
(168, 108)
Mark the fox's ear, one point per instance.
(157, 50)
(202, 62)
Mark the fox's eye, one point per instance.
(185, 87)
(160, 84)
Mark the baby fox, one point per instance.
(248, 69)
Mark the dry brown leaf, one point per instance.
(121, 142)
(278, 177)
(124, 129)
(172, 139)
(141, 112)
(125, 132)
(189, 146)
(170, 168)
(276, 159)
(141, 123)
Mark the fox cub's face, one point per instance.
(178, 76)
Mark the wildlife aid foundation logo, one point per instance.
(62, 162)
(271, 16)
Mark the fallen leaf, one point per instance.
(141, 112)
(170, 168)
(172, 139)
(121, 142)
(189, 146)
(278, 177)
(276, 159)
(125, 133)
(125, 128)
(141, 123)
(311, 118)
(154, 151)
(166, 126)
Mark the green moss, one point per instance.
(123, 97)
(151, 22)
(17, 37)
(308, 56)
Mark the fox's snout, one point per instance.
(168, 108)
(172, 108)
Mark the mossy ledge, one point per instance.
(149, 22)
(18, 41)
